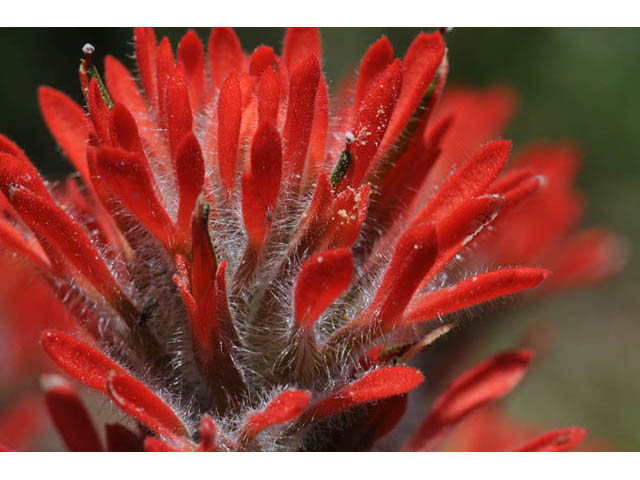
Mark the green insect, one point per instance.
(343, 162)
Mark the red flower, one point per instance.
(247, 271)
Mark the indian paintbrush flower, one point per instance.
(251, 264)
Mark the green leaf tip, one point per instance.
(92, 72)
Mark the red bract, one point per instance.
(383, 383)
(484, 383)
(556, 441)
(70, 415)
(245, 268)
(284, 408)
(331, 273)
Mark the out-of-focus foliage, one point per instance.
(578, 84)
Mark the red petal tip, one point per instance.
(321, 280)
(560, 440)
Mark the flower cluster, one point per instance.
(245, 263)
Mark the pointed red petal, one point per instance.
(414, 255)
(48, 221)
(124, 130)
(261, 184)
(190, 179)
(191, 54)
(121, 439)
(225, 54)
(473, 291)
(561, 440)
(348, 213)
(199, 332)
(134, 398)
(109, 201)
(521, 192)
(68, 124)
(229, 119)
(373, 118)
(179, 118)
(377, 385)
(70, 416)
(129, 177)
(321, 280)
(261, 58)
(166, 65)
(79, 360)
(300, 113)
(458, 229)
(27, 246)
(122, 87)
(145, 40)
(471, 179)
(204, 263)
(373, 64)
(9, 147)
(286, 407)
(406, 180)
(18, 171)
(478, 386)
(203, 323)
(421, 63)
(316, 216)
(464, 223)
(299, 44)
(510, 179)
(207, 434)
(318, 138)
(99, 112)
(268, 97)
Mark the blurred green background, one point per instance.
(578, 84)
